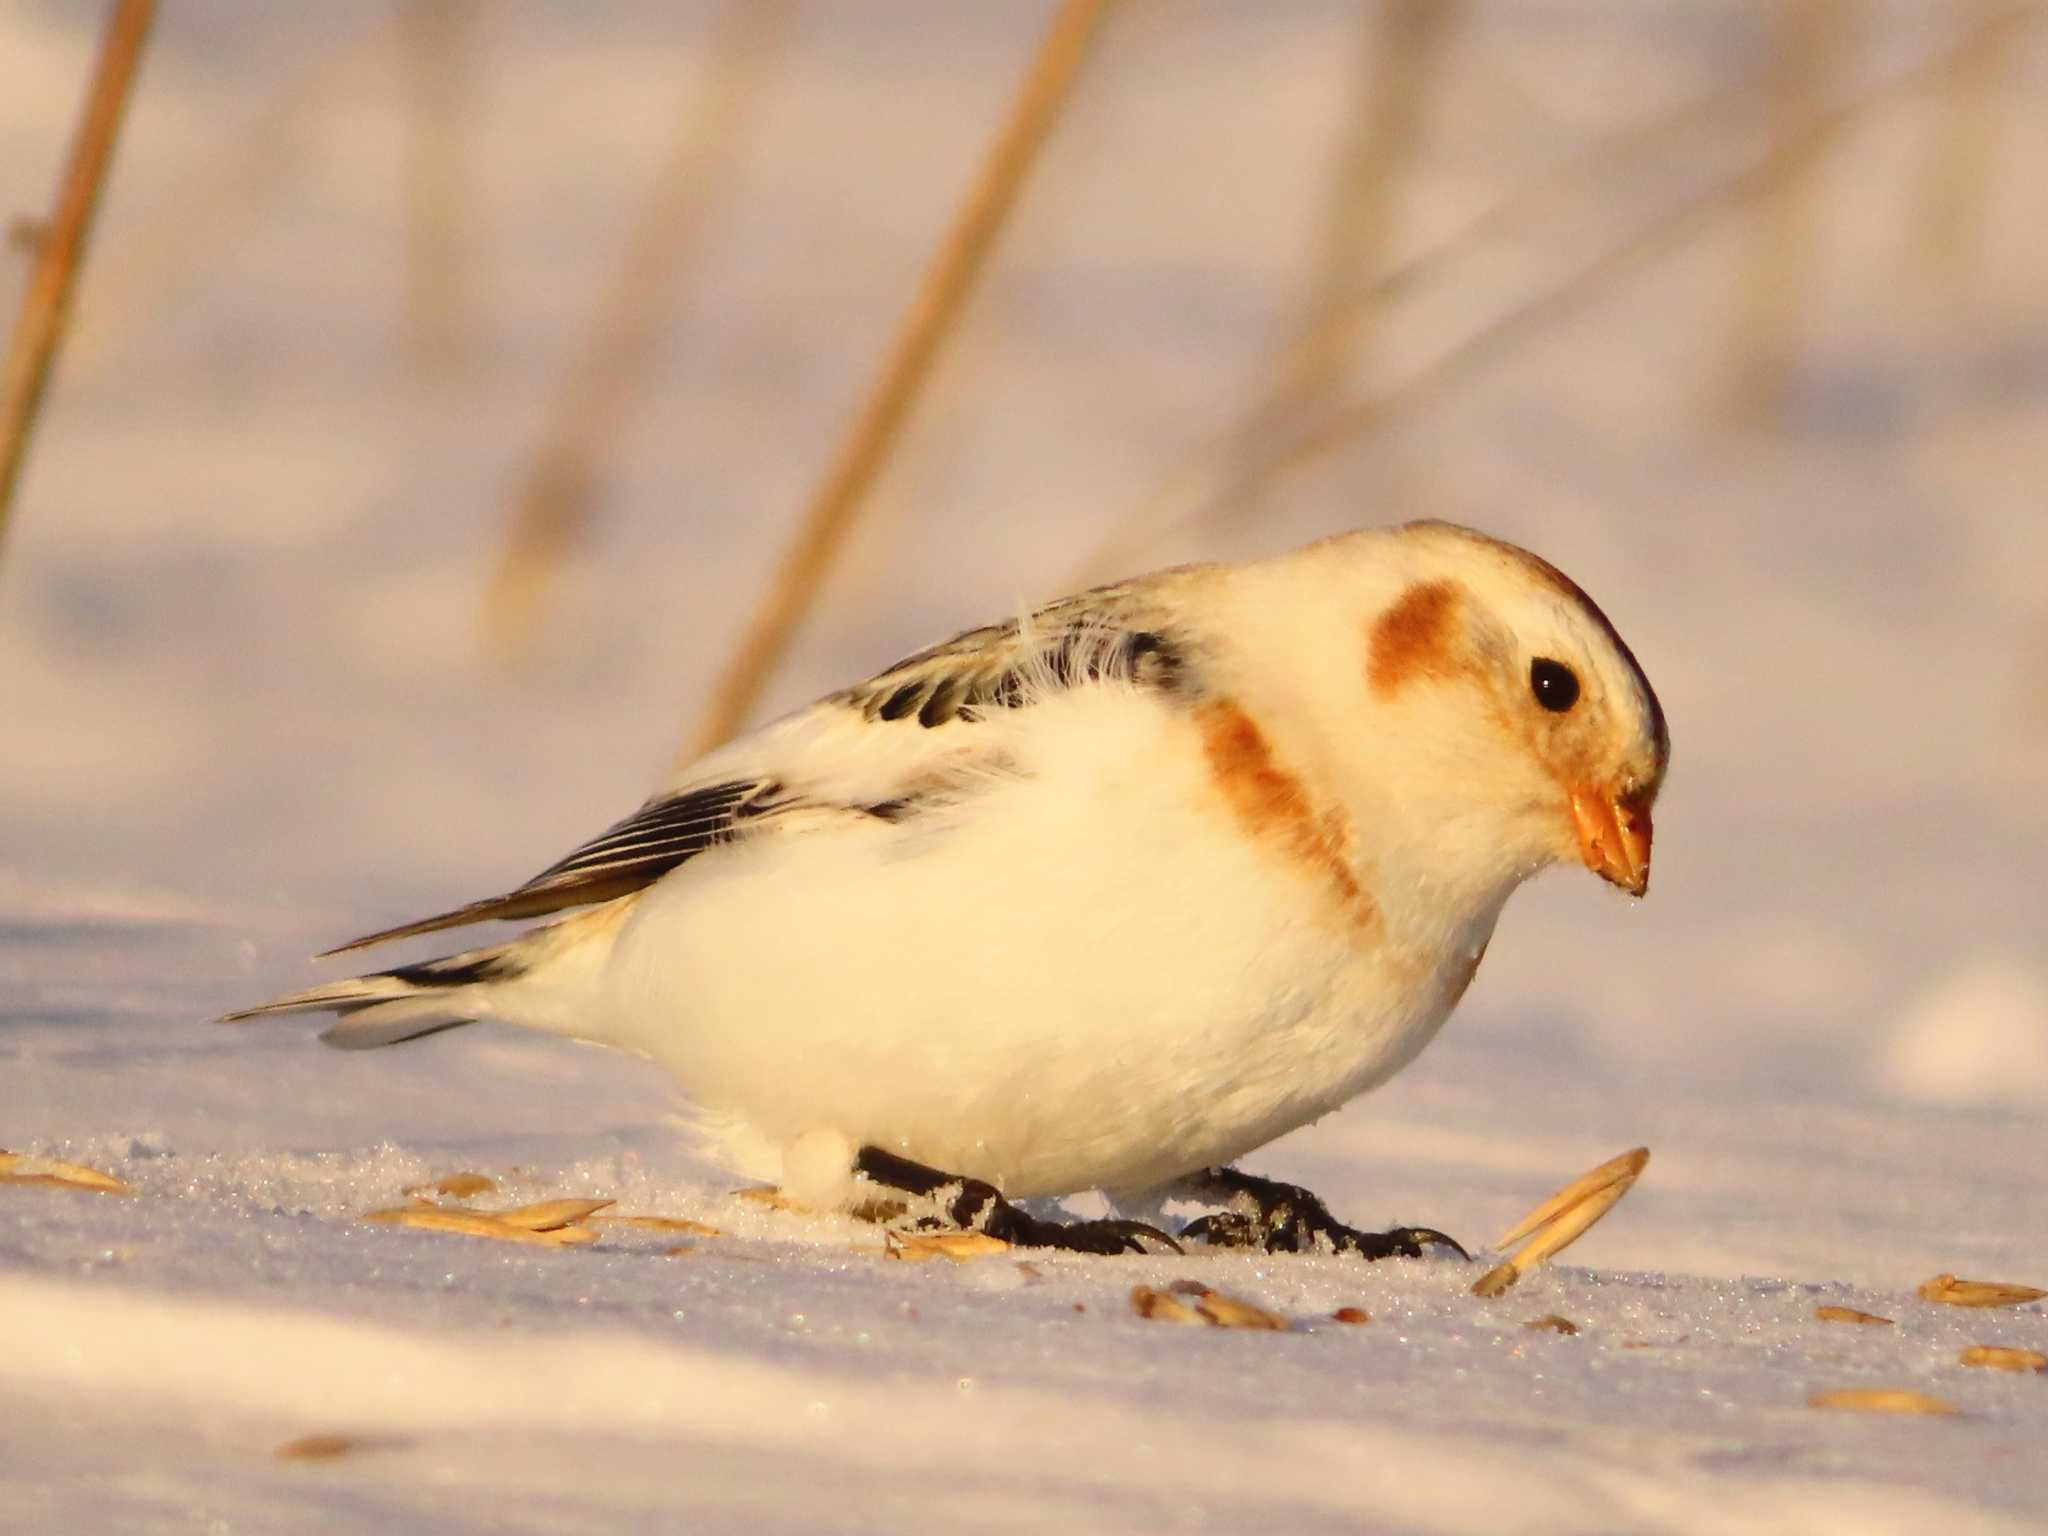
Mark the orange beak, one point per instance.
(1614, 837)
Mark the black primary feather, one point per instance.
(1075, 641)
(618, 861)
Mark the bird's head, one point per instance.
(1496, 722)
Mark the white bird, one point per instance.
(1103, 897)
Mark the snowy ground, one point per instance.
(247, 716)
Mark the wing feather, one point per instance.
(618, 861)
(1116, 631)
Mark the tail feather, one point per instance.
(403, 1003)
(535, 981)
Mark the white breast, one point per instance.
(1086, 973)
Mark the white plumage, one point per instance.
(1104, 897)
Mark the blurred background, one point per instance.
(448, 382)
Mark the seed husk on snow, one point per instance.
(1227, 1311)
(1978, 1293)
(315, 1448)
(1210, 1307)
(1551, 1322)
(770, 1195)
(2001, 1358)
(1351, 1315)
(681, 1224)
(1162, 1306)
(1882, 1400)
(1850, 1315)
(434, 1218)
(921, 1247)
(15, 1168)
(457, 1186)
(548, 1215)
(1562, 1219)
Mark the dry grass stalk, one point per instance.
(771, 1196)
(1550, 1322)
(1882, 1400)
(18, 1169)
(1209, 1308)
(1403, 47)
(46, 301)
(554, 502)
(658, 1224)
(1953, 192)
(1562, 1219)
(476, 1224)
(1999, 1357)
(947, 281)
(1774, 289)
(1977, 1293)
(1850, 1315)
(1203, 491)
(1224, 478)
(435, 34)
(130, 277)
(921, 1247)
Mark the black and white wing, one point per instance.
(1111, 631)
(871, 751)
(618, 861)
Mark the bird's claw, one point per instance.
(974, 1205)
(1107, 1236)
(1285, 1218)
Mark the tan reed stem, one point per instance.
(554, 501)
(947, 280)
(1191, 497)
(132, 273)
(1398, 61)
(1950, 220)
(1775, 285)
(436, 186)
(45, 304)
(1236, 450)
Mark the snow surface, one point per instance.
(247, 716)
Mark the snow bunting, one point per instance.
(1102, 897)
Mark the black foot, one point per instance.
(1285, 1218)
(970, 1205)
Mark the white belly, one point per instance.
(1087, 976)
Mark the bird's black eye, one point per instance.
(1555, 685)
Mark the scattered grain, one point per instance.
(1978, 1293)
(920, 1247)
(548, 1215)
(1562, 1219)
(16, 1168)
(1882, 1400)
(1850, 1315)
(476, 1224)
(2001, 1358)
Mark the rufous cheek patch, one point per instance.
(1414, 638)
(1273, 805)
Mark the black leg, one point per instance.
(1285, 1218)
(974, 1206)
